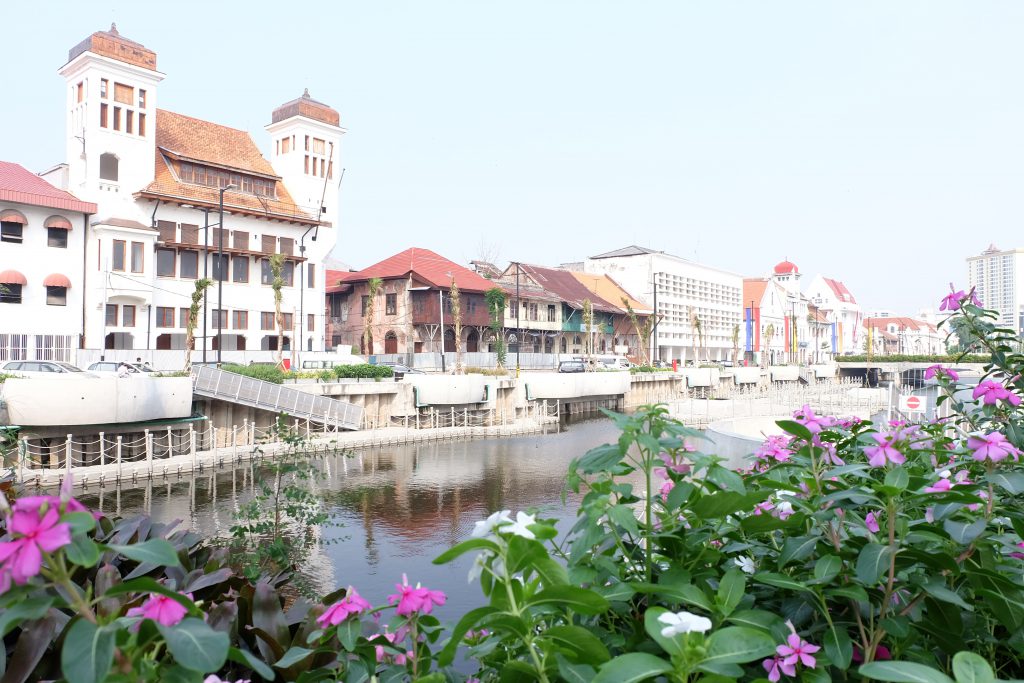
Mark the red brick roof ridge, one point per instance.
(425, 264)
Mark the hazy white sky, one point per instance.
(877, 142)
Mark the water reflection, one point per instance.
(398, 506)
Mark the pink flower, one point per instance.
(677, 466)
(775, 448)
(796, 649)
(929, 515)
(992, 392)
(871, 522)
(412, 600)
(992, 447)
(21, 557)
(1017, 555)
(161, 609)
(763, 508)
(941, 486)
(953, 300)
(878, 455)
(881, 654)
(214, 678)
(352, 603)
(776, 667)
(940, 371)
(814, 423)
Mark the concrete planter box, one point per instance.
(701, 377)
(825, 370)
(553, 385)
(746, 375)
(42, 401)
(449, 390)
(785, 373)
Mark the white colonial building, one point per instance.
(781, 323)
(159, 180)
(42, 238)
(698, 306)
(842, 312)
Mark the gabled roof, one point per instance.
(840, 290)
(608, 289)
(566, 288)
(184, 138)
(18, 184)
(901, 322)
(753, 291)
(425, 265)
(632, 250)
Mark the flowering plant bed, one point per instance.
(846, 550)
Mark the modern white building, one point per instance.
(997, 276)
(699, 306)
(832, 298)
(159, 180)
(42, 238)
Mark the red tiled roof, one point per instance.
(840, 290)
(180, 137)
(564, 285)
(337, 280)
(427, 266)
(901, 322)
(753, 290)
(112, 44)
(18, 184)
(308, 107)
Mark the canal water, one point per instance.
(396, 507)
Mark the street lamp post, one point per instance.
(519, 331)
(303, 266)
(206, 270)
(440, 331)
(220, 278)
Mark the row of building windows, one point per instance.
(120, 118)
(123, 94)
(12, 294)
(170, 317)
(207, 176)
(184, 264)
(13, 233)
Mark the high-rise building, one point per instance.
(997, 276)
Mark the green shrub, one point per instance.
(267, 373)
(363, 371)
(4, 376)
(491, 372)
(648, 368)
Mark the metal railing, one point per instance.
(228, 386)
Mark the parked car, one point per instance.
(401, 370)
(44, 368)
(572, 366)
(108, 366)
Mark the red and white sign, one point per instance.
(913, 404)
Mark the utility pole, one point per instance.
(440, 332)
(519, 331)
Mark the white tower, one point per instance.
(111, 119)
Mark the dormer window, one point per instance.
(198, 174)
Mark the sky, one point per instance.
(877, 142)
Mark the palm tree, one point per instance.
(643, 330)
(202, 285)
(736, 345)
(372, 287)
(457, 321)
(769, 332)
(276, 284)
(495, 299)
(588, 327)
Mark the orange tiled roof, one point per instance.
(181, 137)
(308, 107)
(610, 290)
(753, 290)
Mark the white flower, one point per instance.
(519, 527)
(945, 474)
(478, 565)
(486, 527)
(746, 564)
(683, 622)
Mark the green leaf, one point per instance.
(294, 655)
(26, 610)
(796, 429)
(851, 592)
(580, 643)
(897, 478)
(624, 517)
(88, 652)
(679, 494)
(903, 672)
(522, 553)
(964, 533)
(737, 645)
(971, 668)
(730, 591)
(632, 667)
(756, 619)
(551, 572)
(574, 673)
(348, 633)
(571, 597)
(796, 549)
(144, 584)
(872, 562)
(939, 591)
(1011, 482)
(467, 622)
(80, 522)
(82, 551)
(155, 551)
(726, 503)
(779, 581)
(195, 645)
(464, 547)
(726, 479)
(827, 568)
(246, 658)
(838, 646)
(601, 458)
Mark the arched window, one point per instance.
(108, 166)
(578, 340)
